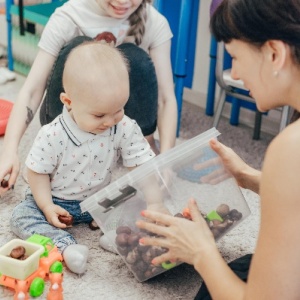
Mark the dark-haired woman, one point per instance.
(263, 38)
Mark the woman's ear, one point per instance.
(65, 100)
(277, 52)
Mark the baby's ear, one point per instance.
(65, 100)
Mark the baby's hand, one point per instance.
(56, 216)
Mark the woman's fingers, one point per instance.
(215, 177)
(217, 147)
(194, 211)
(154, 241)
(166, 257)
(157, 217)
(208, 163)
(158, 228)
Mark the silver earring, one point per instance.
(275, 73)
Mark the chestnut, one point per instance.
(68, 220)
(122, 239)
(17, 252)
(132, 256)
(223, 210)
(235, 215)
(141, 266)
(147, 256)
(4, 183)
(142, 248)
(123, 229)
(123, 250)
(133, 239)
(224, 225)
(216, 232)
(148, 274)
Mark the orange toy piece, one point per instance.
(186, 213)
(28, 276)
(55, 291)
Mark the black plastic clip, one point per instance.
(126, 193)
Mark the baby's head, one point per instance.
(96, 85)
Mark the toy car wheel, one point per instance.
(56, 267)
(37, 287)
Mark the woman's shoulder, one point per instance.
(154, 15)
(289, 138)
(285, 148)
(157, 29)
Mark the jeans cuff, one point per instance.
(62, 244)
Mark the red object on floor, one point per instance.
(5, 109)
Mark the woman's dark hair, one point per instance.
(257, 21)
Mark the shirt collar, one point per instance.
(75, 134)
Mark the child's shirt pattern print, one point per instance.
(80, 163)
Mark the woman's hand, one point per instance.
(246, 176)
(9, 170)
(187, 241)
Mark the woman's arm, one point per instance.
(23, 111)
(167, 105)
(275, 269)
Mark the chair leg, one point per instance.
(284, 117)
(257, 125)
(220, 107)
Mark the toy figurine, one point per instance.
(55, 291)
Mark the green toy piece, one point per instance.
(168, 265)
(37, 287)
(213, 215)
(56, 267)
(42, 240)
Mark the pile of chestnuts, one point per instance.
(219, 220)
(228, 218)
(137, 256)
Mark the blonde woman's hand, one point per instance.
(9, 170)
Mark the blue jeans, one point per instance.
(28, 219)
(142, 104)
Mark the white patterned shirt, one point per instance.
(81, 163)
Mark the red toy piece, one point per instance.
(5, 109)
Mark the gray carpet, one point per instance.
(108, 277)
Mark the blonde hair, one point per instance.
(137, 22)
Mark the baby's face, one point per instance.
(98, 113)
